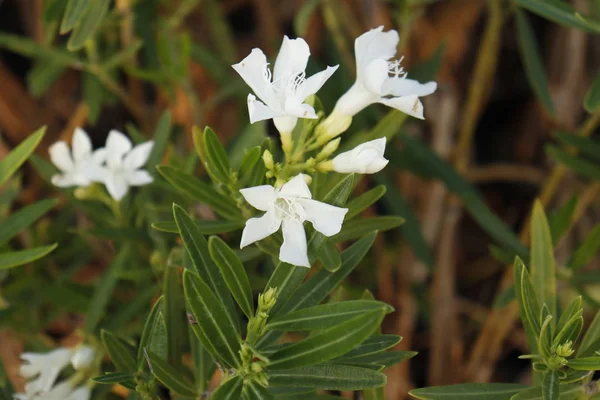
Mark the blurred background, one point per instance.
(509, 80)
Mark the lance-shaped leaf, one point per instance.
(254, 391)
(468, 391)
(73, 13)
(21, 219)
(579, 165)
(585, 363)
(328, 344)
(529, 306)
(591, 340)
(169, 376)
(325, 316)
(330, 257)
(217, 162)
(358, 228)
(88, 24)
(124, 379)
(584, 145)
(330, 377)
(197, 247)
(13, 160)
(230, 390)
(234, 274)
(386, 358)
(218, 331)
(560, 12)
(207, 227)
(151, 325)
(15, 258)
(567, 392)
(364, 201)
(373, 345)
(120, 352)
(543, 267)
(592, 98)
(586, 250)
(550, 383)
(561, 219)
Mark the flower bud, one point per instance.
(268, 159)
(332, 126)
(83, 357)
(366, 158)
(329, 149)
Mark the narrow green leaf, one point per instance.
(74, 12)
(387, 358)
(532, 60)
(169, 376)
(325, 316)
(528, 302)
(328, 344)
(543, 267)
(560, 12)
(162, 133)
(585, 363)
(216, 155)
(197, 247)
(149, 327)
(560, 221)
(88, 24)
(13, 160)
(204, 365)
(570, 332)
(364, 201)
(252, 159)
(174, 315)
(465, 391)
(234, 274)
(202, 192)
(584, 145)
(569, 312)
(159, 341)
(550, 390)
(579, 165)
(592, 98)
(329, 376)
(30, 48)
(591, 340)
(360, 227)
(230, 390)
(586, 250)
(567, 392)
(119, 351)
(219, 332)
(206, 227)
(114, 377)
(22, 257)
(330, 257)
(254, 391)
(43, 76)
(373, 345)
(104, 290)
(303, 16)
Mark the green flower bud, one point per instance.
(268, 159)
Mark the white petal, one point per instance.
(325, 218)
(253, 70)
(117, 145)
(139, 177)
(294, 248)
(312, 85)
(60, 155)
(258, 111)
(406, 87)
(355, 100)
(295, 108)
(99, 156)
(291, 60)
(116, 184)
(376, 73)
(373, 45)
(82, 357)
(47, 365)
(410, 105)
(286, 124)
(81, 393)
(62, 391)
(63, 180)
(137, 157)
(259, 228)
(260, 197)
(296, 187)
(82, 145)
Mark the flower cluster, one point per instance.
(118, 165)
(42, 370)
(284, 97)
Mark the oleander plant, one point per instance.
(304, 212)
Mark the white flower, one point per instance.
(378, 80)
(366, 158)
(79, 167)
(124, 163)
(62, 391)
(44, 367)
(82, 357)
(288, 208)
(282, 93)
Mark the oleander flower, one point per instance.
(379, 79)
(366, 158)
(61, 391)
(78, 166)
(281, 93)
(124, 163)
(289, 207)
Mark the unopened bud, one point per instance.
(565, 350)
(329, 149)
(333, 126)
(268, 159)
(267, 299)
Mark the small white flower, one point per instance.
(42, 369)
(366, 158)
(124, 163)
(61, 391)
(379, 80)
(82, 357)
(282, 93)
(79, 166)
(288, 207)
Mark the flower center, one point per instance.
(395, 69)
(287, 208)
